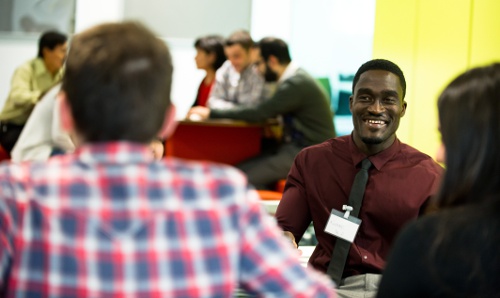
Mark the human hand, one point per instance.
(157, 149)
(198, 113)
(290, 237)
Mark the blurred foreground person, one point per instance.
(455, 252)
(110, 221)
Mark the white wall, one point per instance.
(15, 49)
(92, 12)
(175, 21)
(187, 77)
(326, 37)
(190, 18)
(179, 23)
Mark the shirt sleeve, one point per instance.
(60, 138)
(269, 263)
(6, 247)
(219, 97)
(293, 213)
(287, 98)
(21, 93)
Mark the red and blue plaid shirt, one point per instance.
(109, 221)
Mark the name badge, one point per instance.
(343, 225)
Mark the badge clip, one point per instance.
(348, 210)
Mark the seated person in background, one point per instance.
(110, 221)
(400, 183)
(42, 133)
(29, 82)
(455, 252)
(209, 57)
(307, 119)
(237, 81)
(42, 136)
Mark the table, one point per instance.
(220, 140)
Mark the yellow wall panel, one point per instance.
(485, 32)
(433, 41)
(394, 39)
(442, 45)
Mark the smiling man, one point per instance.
(401, 180)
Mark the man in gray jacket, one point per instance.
(303, 105)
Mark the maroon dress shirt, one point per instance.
(401, 182)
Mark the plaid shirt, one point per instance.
(109, 221)
(234, 89)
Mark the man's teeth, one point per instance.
(375, 122)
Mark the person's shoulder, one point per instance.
(15, 179)
(300, 77)
(417, 157)
(222, 73)
(337, 144)
(225, 67)
(253, 73)
(216, 172)
(453, 216)
(29, 65)
(222, 184)
(304, 83)
(458, 224)
(12, 170)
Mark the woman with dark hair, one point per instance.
(209, 57)
(456, 251)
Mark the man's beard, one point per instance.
(270, 76)
(372, 141)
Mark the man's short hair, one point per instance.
(117, 81)
(276, 47)
(380, 64)
(50, 40)
(241, 37)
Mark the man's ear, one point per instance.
(44, 51)
(67, 121)
(403, 109)
(169, 124)
(273, 61)
(350, 104)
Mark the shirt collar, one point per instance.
(378, 160)
(290, 70)
(114, 152)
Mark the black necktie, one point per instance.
(341, 249)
